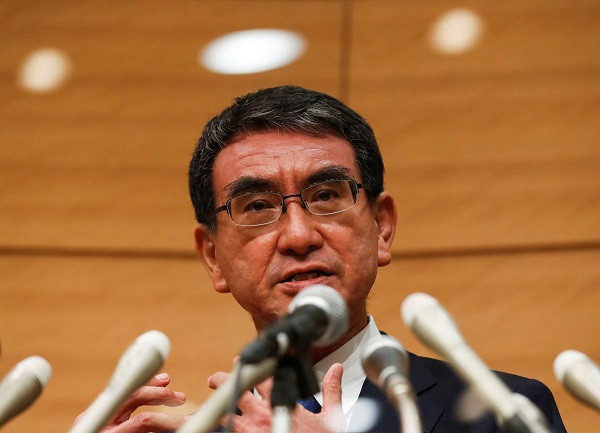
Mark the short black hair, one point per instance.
(288, 109)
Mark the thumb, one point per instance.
(332, 387)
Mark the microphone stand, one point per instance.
(294, 379)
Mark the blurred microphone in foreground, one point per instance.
(22, 385)
(580, 376)
(385, 363)
(435, 327)
(136, 366)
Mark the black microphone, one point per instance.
(22, 386)
(318, 315)
(385, 362)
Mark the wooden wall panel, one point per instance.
(489, 150)
(81, 314)
(517, 311)
(101, 162)
(497, 146)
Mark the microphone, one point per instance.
(22, 385)
(435, 327)
(206, 418)
(385, 363)
(579, 375)
(317, 315)
(137, 365)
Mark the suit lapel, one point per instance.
(430, 400)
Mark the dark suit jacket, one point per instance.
(438, 389)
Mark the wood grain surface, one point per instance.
(492, 156)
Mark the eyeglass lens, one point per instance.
(320, 199)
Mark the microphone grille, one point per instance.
(565, 360)
(384, 356)
(37, 366)
(332, 303)
(414, 304)
(158, 340)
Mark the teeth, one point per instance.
(306, 276)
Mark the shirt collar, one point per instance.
(349, 356)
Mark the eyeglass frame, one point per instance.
(227, 205)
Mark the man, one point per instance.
(287, 187)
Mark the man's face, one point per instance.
(264, 267)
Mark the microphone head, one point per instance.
(156, 339)
(332, 304)
(384, 356)
(414, 304)
(565, 360)
(36, 366)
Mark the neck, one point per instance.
(318, 353)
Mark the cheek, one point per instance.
(359, 254)
(244, 262)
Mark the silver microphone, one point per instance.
(22, 386)
(435, 327)
(385, 363)
(137, 365)
(579, 375)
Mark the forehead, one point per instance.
(282, 158)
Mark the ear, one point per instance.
(207, 251)
(385, 217)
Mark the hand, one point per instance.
(154, 393)
(256, 413)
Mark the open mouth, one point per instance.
(304, 276)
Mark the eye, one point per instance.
(324, 194)
(257, 206)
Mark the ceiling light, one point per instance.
(44, 70)
(251, 51)
(457, 31)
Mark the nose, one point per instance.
(299, 231)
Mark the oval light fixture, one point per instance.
(251, 51)
(457, 31)
(44, 70)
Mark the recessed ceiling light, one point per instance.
(44, 70)
(251, 51)
(457, 31)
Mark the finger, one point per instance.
(248, 402)
(332, 387)
(264, 389)
(161, 379)
(148, 395)
(217, 379)
(146, 422)
(154, 395)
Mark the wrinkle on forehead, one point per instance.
(284, 159)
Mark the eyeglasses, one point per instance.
(260, 208)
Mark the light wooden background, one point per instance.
(493, 156)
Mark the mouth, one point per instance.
(305, 276)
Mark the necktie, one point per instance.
(310, 404)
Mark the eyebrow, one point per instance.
(333, 172)
(246, 184)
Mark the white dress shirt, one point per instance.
(353, 378)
